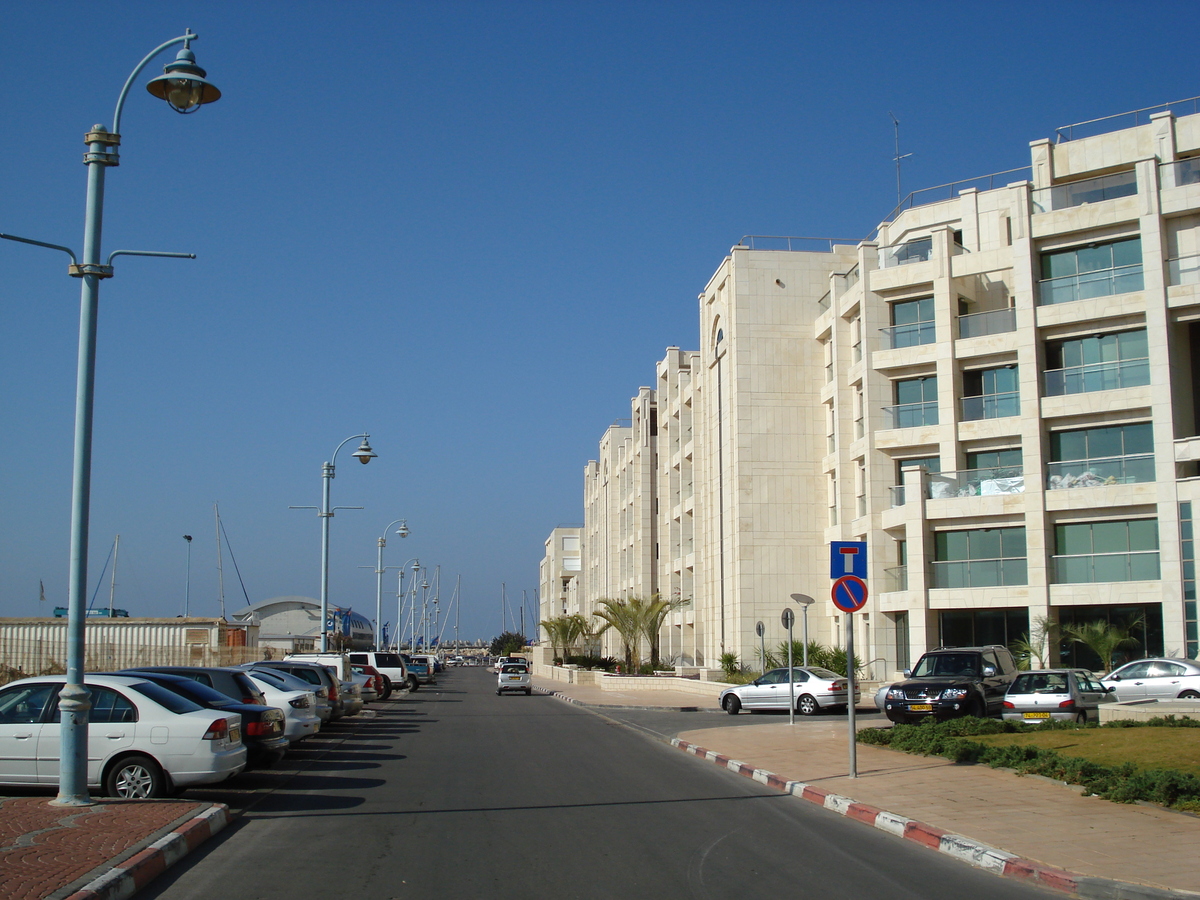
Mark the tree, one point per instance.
(653, 614)
(1033, 644)
(1103, 638)
(556, 630)
(625, 616)
(507, 644)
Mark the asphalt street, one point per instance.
(456, 792)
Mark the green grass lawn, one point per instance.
(1146, 748)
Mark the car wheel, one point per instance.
(528, 692)
(732, 705)
(1189, 695)
(977, 708)
(413, 684)
(807, 705)
(387, 690)
(136, 778)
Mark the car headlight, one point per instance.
(895, 693)
(954, 693)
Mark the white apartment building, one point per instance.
(558, 576)
(996, 392)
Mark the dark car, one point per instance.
(315, 674)
(231, 682)
(262, 726)
(953, 681)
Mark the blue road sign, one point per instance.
(848, 558)
(849, 593)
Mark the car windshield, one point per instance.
(176, 703)
(1040, 683)
(947, 664)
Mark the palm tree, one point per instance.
(654, 613)
(556, 631)
(1103, 638)
(626, 617)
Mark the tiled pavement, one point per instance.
(1033, 818)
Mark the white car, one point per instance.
(1155, 679)
(513, 677)
(815, 689)
(300, 719)
(143, 740)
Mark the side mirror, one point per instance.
(989, 672)
(1116, 677)
(908, 673)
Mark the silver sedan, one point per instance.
(815, 689)
(1156, 679)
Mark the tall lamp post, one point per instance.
(399, 629)
(187, 584)
(364, 454)
(379, 570)
(184, 87)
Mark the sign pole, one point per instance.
(850, 711)
(789, 619)
(848, 568)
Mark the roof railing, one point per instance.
(1140, 117)
(782, 242)
(948, 191)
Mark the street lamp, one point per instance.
(399, 629)
(364, 454)
(805, 601)
(185, 87)
(379, 570)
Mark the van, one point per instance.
(390, 666)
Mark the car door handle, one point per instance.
(115, 735)
(23, 737)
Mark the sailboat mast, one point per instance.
(112, 585)
(220, 565)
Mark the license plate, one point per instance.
(921, 707)
(1036, 715)
(512, 677)
(235, 735)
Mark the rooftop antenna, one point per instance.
(898, 157)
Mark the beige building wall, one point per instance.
(760, 442)
(560, 569)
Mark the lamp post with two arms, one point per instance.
(379, 570)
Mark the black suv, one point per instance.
(952, 681)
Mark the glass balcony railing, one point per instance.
(997, 321)
(895, 578)
(1104, 567)
(1183, 270)
(973, 573)
(910, 415)
(851, 278)
(897, 493)
(1080, 473)
(1103, 283)
(1090, 190)
(976, 482)
(906, 254)
(991, 406)
(913, 334)
(824, 302)
(1178, 174)
(1097, 377)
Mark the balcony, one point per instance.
(895, 579)
(920, 250)
(897, 494)
(1132, 469)
(1179, 174)
(976, 482)
(824, 302)
(1183, 270)
(1107, 376)
(1090, 190)
(1098, 568)
(910, 415)
(1084, 286)
(981, 324)
(913, 334)
(973, 573)
(991, 406)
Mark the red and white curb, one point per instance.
(962, 848)
(123, 881)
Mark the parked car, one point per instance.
(314, 673)
(419, 666)
(143, 740)
(1065, 695)
(815, 689)
(230, 681)
(953, 681)
(286, 681)
(515, 678)
(262, 726)
(375, 687)
(390, 665)
(299, 707)
(352, 698)
(1155, 679)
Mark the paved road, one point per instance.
(455, 792)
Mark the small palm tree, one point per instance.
(1103, 638)
(625, 616)
(556, 632)
(653, 614)
(1033, 644)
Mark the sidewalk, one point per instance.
(101, 852)
(1019, 826)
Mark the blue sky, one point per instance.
(468, 228)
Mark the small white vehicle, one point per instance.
(300, 719)
(143, 740)
(513, 677)
(389, 665)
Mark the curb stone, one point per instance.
(131, 875)
(999, 862)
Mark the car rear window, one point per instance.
(1040, 683)
(176, 703)
(388, 659)
(514, 670)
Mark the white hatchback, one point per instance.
(300, 719)
(143, 740)
(513, 677)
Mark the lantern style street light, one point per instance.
(185, 87)
(364, 454)
(379, 570)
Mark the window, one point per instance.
(1095, 270)
(1114, 454)
(916, 251)
(912, 323)
(833, 509)
(931, 464)
(1101, 362)
(916, 403)
(1089, 190)
(570, 544)
(859, 412)
(1187, 556)
(983, 557)
(1098, 552)
(856, 339)
(23, 705)
(990, 393)
(1006, 461)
